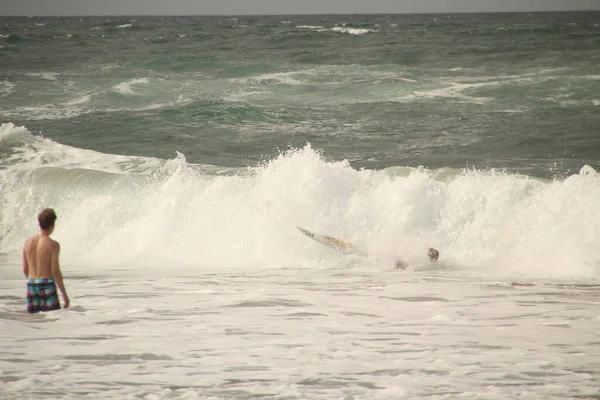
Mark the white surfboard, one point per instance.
(338, 244)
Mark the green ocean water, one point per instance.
(509, 91)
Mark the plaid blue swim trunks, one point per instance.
(42, 295)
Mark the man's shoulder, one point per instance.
(44, 241)
(29, 241)
(53, 243)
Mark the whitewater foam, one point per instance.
(126, 88)
(45, 111)
(351, 31)
(79, 100)
(118, 208)
(286, 78)
(7, 88)
(338, 29)
(50, 76)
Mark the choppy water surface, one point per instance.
(305, 333)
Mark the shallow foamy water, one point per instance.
(302, 333)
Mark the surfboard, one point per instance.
(338, 244)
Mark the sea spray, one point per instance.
(177, 214)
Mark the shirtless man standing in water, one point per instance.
(41, 267)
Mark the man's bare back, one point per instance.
(40, 252)
(41, 267)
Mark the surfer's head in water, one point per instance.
(433, 254)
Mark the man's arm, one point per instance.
(57, 274)
(25, 265)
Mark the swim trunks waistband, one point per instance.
(40, 280)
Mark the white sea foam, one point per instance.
(334, 81)
(351, 31)
(43, 111)
(452, 90)
(127, 87)
(7, 88)
(285, 78)
(38, 152)
(152, 106)
(49, 76)
(10, 130)
(74, 108)
(501, 223)
(340, 29)
(301, 333)
(124, 26)
(79, 100)
(80, 106)
(510, 111)
(452, 87)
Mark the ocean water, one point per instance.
(181, 154)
